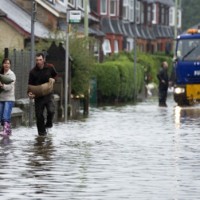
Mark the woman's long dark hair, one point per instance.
(2, 68)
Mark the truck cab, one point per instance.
(187, 68)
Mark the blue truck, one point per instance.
(187, 68)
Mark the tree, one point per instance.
(190, 13)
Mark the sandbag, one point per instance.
(5, 79)
(43, 89)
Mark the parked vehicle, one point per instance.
(187, 68)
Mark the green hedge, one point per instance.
(108, 81)
(115, 77)
(115, 80)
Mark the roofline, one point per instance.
(17, 27)
(50, 9)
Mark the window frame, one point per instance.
(131, 10)
(114, 9)
(138, 17)
(179, 18)
(125, 9)
(105, 2)
(116, 46)
(81, 4)
(171, 16)
(51, 1)
(106, 46)
(71, 2)
(154, 11)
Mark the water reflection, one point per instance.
(186, 115)
(42, 152)
(40, 163)
(187, 151)
(5, 141)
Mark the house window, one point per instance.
(116, 48)
(149, 14)
(106, 47)
(137, 12)
(96, 50)
(125, 9)
(72, 2)
(171, 16)
(51, 1)
(81, 3)
(154, 11)
(142, 13)
(129, 44)
(162, 20)
(96, 47)
(179, 17)
(167, 16)
(103, 7)
(113, 7)
(63, 2)
(131, 10)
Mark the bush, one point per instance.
(83, 61)
(108, 81)
(115, 80)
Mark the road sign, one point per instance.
(74, 16)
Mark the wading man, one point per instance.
(40, 88)
(163, 84)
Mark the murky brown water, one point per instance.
(139, 152)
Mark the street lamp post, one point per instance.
(66, 65)
(86, 18)
(175, 24)
(33, 33)
(33, 13)
(135, 51)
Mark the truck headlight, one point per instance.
(179, 90)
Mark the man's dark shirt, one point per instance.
(163, 75)
(39, 76)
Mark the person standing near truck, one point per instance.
(163, 79)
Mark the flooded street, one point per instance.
(136, 152)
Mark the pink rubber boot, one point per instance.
(7, 129)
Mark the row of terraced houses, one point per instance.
(115, 24)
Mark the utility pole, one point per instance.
(33, 15)
(86, 98)
(175, 24)
(86, 18)
(66, 64)
(135, 52)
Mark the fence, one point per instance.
(21, 67)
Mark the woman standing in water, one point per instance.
(7, 97)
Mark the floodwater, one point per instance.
(132, 152)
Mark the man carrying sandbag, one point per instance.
(40, 87)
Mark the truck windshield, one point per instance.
(188, 49)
